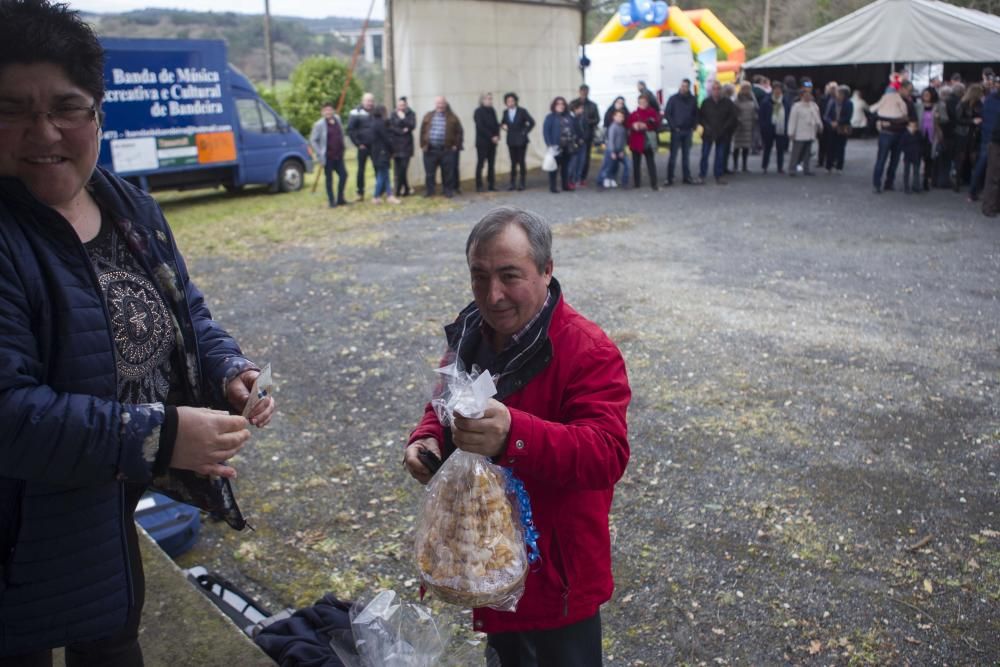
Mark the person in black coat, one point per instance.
(837, 122)
(682, 115)
(590, 118)
(401, 124)
(517, 123)
(359, 129)
(775, 110)
(487, 138)
(617, 105)
(718, 119)
(381, 153)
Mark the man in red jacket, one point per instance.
(558, 422)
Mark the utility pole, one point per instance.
(268, 45)
(389, 72)
(766, 41)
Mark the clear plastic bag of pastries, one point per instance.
(469, 543)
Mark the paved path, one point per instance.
(815, 371)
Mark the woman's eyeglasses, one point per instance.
(64, 118)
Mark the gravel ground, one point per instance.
(814, 427)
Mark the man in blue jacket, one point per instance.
(682, 115)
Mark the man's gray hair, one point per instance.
(537, 230)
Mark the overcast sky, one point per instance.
(309, 8)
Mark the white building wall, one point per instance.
(463, 48)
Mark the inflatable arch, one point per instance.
(702, 28)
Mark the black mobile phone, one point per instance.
(429, 459)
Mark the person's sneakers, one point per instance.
(667, 183)
(520, 187)
(693, 181)
(393, 200)
(878, 190)
(511, 187)
(581, 184)
(342, 202)
(554, 191)
(721, 181)
(376, 200)
(331, 205)
(491, 189)
(480, 188)
(361, 196)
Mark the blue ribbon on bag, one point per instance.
(531, 535)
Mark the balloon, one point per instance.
(643, 13)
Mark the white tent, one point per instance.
(893, 31)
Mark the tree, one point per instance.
(317, 80)
(270, 97)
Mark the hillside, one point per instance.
(294, 38)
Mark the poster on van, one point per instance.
(166, 108)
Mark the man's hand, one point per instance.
(238, 393)
(412, 461)
(487, 435)
(496, 140)
(206, 439)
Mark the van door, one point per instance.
(263, 138)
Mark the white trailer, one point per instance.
(617, 67)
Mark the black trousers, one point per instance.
(399, 167)
(562, 169)
(835, 151)
(363, 155)
(588, 150)
(331, 167)
(486, 154)
(650, 166)
(517, 161)
(121, 649)
(440, 158)
(577, 645)
(779, 142)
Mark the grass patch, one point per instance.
(244, 224)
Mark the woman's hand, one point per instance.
(206, 439)
(238, 393)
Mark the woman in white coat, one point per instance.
(804, 125)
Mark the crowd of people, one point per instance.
(943, 137)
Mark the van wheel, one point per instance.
(290, 176)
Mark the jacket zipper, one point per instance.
(561, 572)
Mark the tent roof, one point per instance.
(901, 31)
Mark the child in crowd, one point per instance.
(912, 147)
(614, 153)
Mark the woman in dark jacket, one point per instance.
(381, 152)
(837, 124)
(518, 124)
(617, 105)
(774, 113)
(401, 124)
(559, 136)
(968, 120)
(109, 353)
